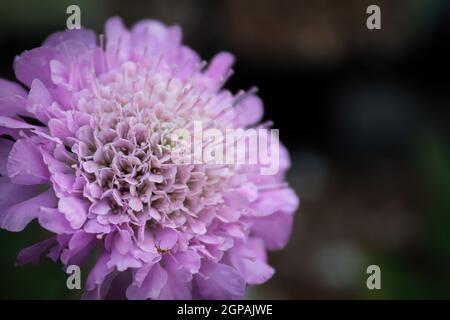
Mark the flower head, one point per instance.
(95, 131)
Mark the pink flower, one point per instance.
(93, 132)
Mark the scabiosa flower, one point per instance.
(86, 152)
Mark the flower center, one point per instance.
(124, 151)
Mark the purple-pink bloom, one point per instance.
(94, 166)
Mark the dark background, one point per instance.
(364, 113)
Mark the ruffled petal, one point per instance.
(179, 280)
(275, 229)
(35, 64)
(152, 285)
(190, 260)
(12, 99)
(32, 253)
(219, 282)
(79, 247)
(26, 165)
(118, 42)
(87, 37)
(249, 112)
(54, 221)
(249, 259)
(39, 101)
(269, 202)
(12, 123)
(75, 210)
(99, 279)
(17, 217)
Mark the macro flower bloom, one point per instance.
(85, 150)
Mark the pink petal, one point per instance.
(275, 229)
(12, 98)
(11, 194)
(189, 260)
(222, 282)
(12, 123)
(39, 101)
(17, 217)
(34, 64)
(152, 285)
(10, 88)
(96, 284)
(54, 221)
(80, 245)
(123, 261)
(75, 210)
(284, 200)
(219, 67)
(26, 165)
(32, 253)
(87, 37)
(227, 214)
(59, 128)
(249, 111)
(249, 260)
(179, 282)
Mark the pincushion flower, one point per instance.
(85, 150)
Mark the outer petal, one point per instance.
(118, 41)
(165, 238)
(13, 123)
(152, 285)
(80, 245)
(221, 282)
(150, 33)
(275, 229)
(115, 30)
(219, 68)
(99, 278)
(39, 101)
(34, 64)
(249, 259)
(54, 221)
(190, 260)
(284, 200)
(179, 280)
(33, 253)
(87, 37)
(62, 242)
(26, 165)
(123, 261)
(92, 226)
(17, 217)
(10, 88)
(12, 98)
(11, 194)
(75, 210)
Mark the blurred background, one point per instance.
(364, 113)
